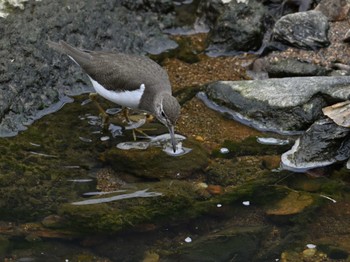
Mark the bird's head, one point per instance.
(167, 112)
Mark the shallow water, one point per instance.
(63, 200)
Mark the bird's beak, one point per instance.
(172, 136)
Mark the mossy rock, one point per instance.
(154, 163)
(176, 202)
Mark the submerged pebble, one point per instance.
(140, 193)
(115, 130)
(113, 111)
(246, 203)
(188, 240)
(82, 180)
(41, 154)
(272, 141)
(84, 139)
(85, 102)
(311, 246)
(94, 120)
(133, 145)
(224, 150)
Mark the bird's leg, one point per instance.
(136, 129)
(126, 114)
(104, 115)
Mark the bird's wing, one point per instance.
(116, 70)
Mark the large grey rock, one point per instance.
(282, 105)
(34, 80)
(324, 143)
(306, 30)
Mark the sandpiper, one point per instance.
(131, 81)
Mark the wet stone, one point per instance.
(306, 30)
(283, 105)
(294, 203)
(324, 143)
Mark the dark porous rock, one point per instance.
(281, 104)
(161, 6)
(305, 30)
(210, 10)
(153, 163)
(335, 10)
(34, 80)
(293, 67)
(324, 143)
(239, 28)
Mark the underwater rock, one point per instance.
(154, 163)
(282, 105)
(324, 143)
(239, 28)
(293, 203)
(305, 30)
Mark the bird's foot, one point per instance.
(103, 114)
(135, 124)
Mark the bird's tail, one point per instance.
(77, 55)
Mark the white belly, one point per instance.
(126, 98)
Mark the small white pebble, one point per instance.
(219, 205)
(104, 138)
(311, 246)
(224, 150)
(67, 260)
(246, 203)
(84, 139)
(188, 240)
